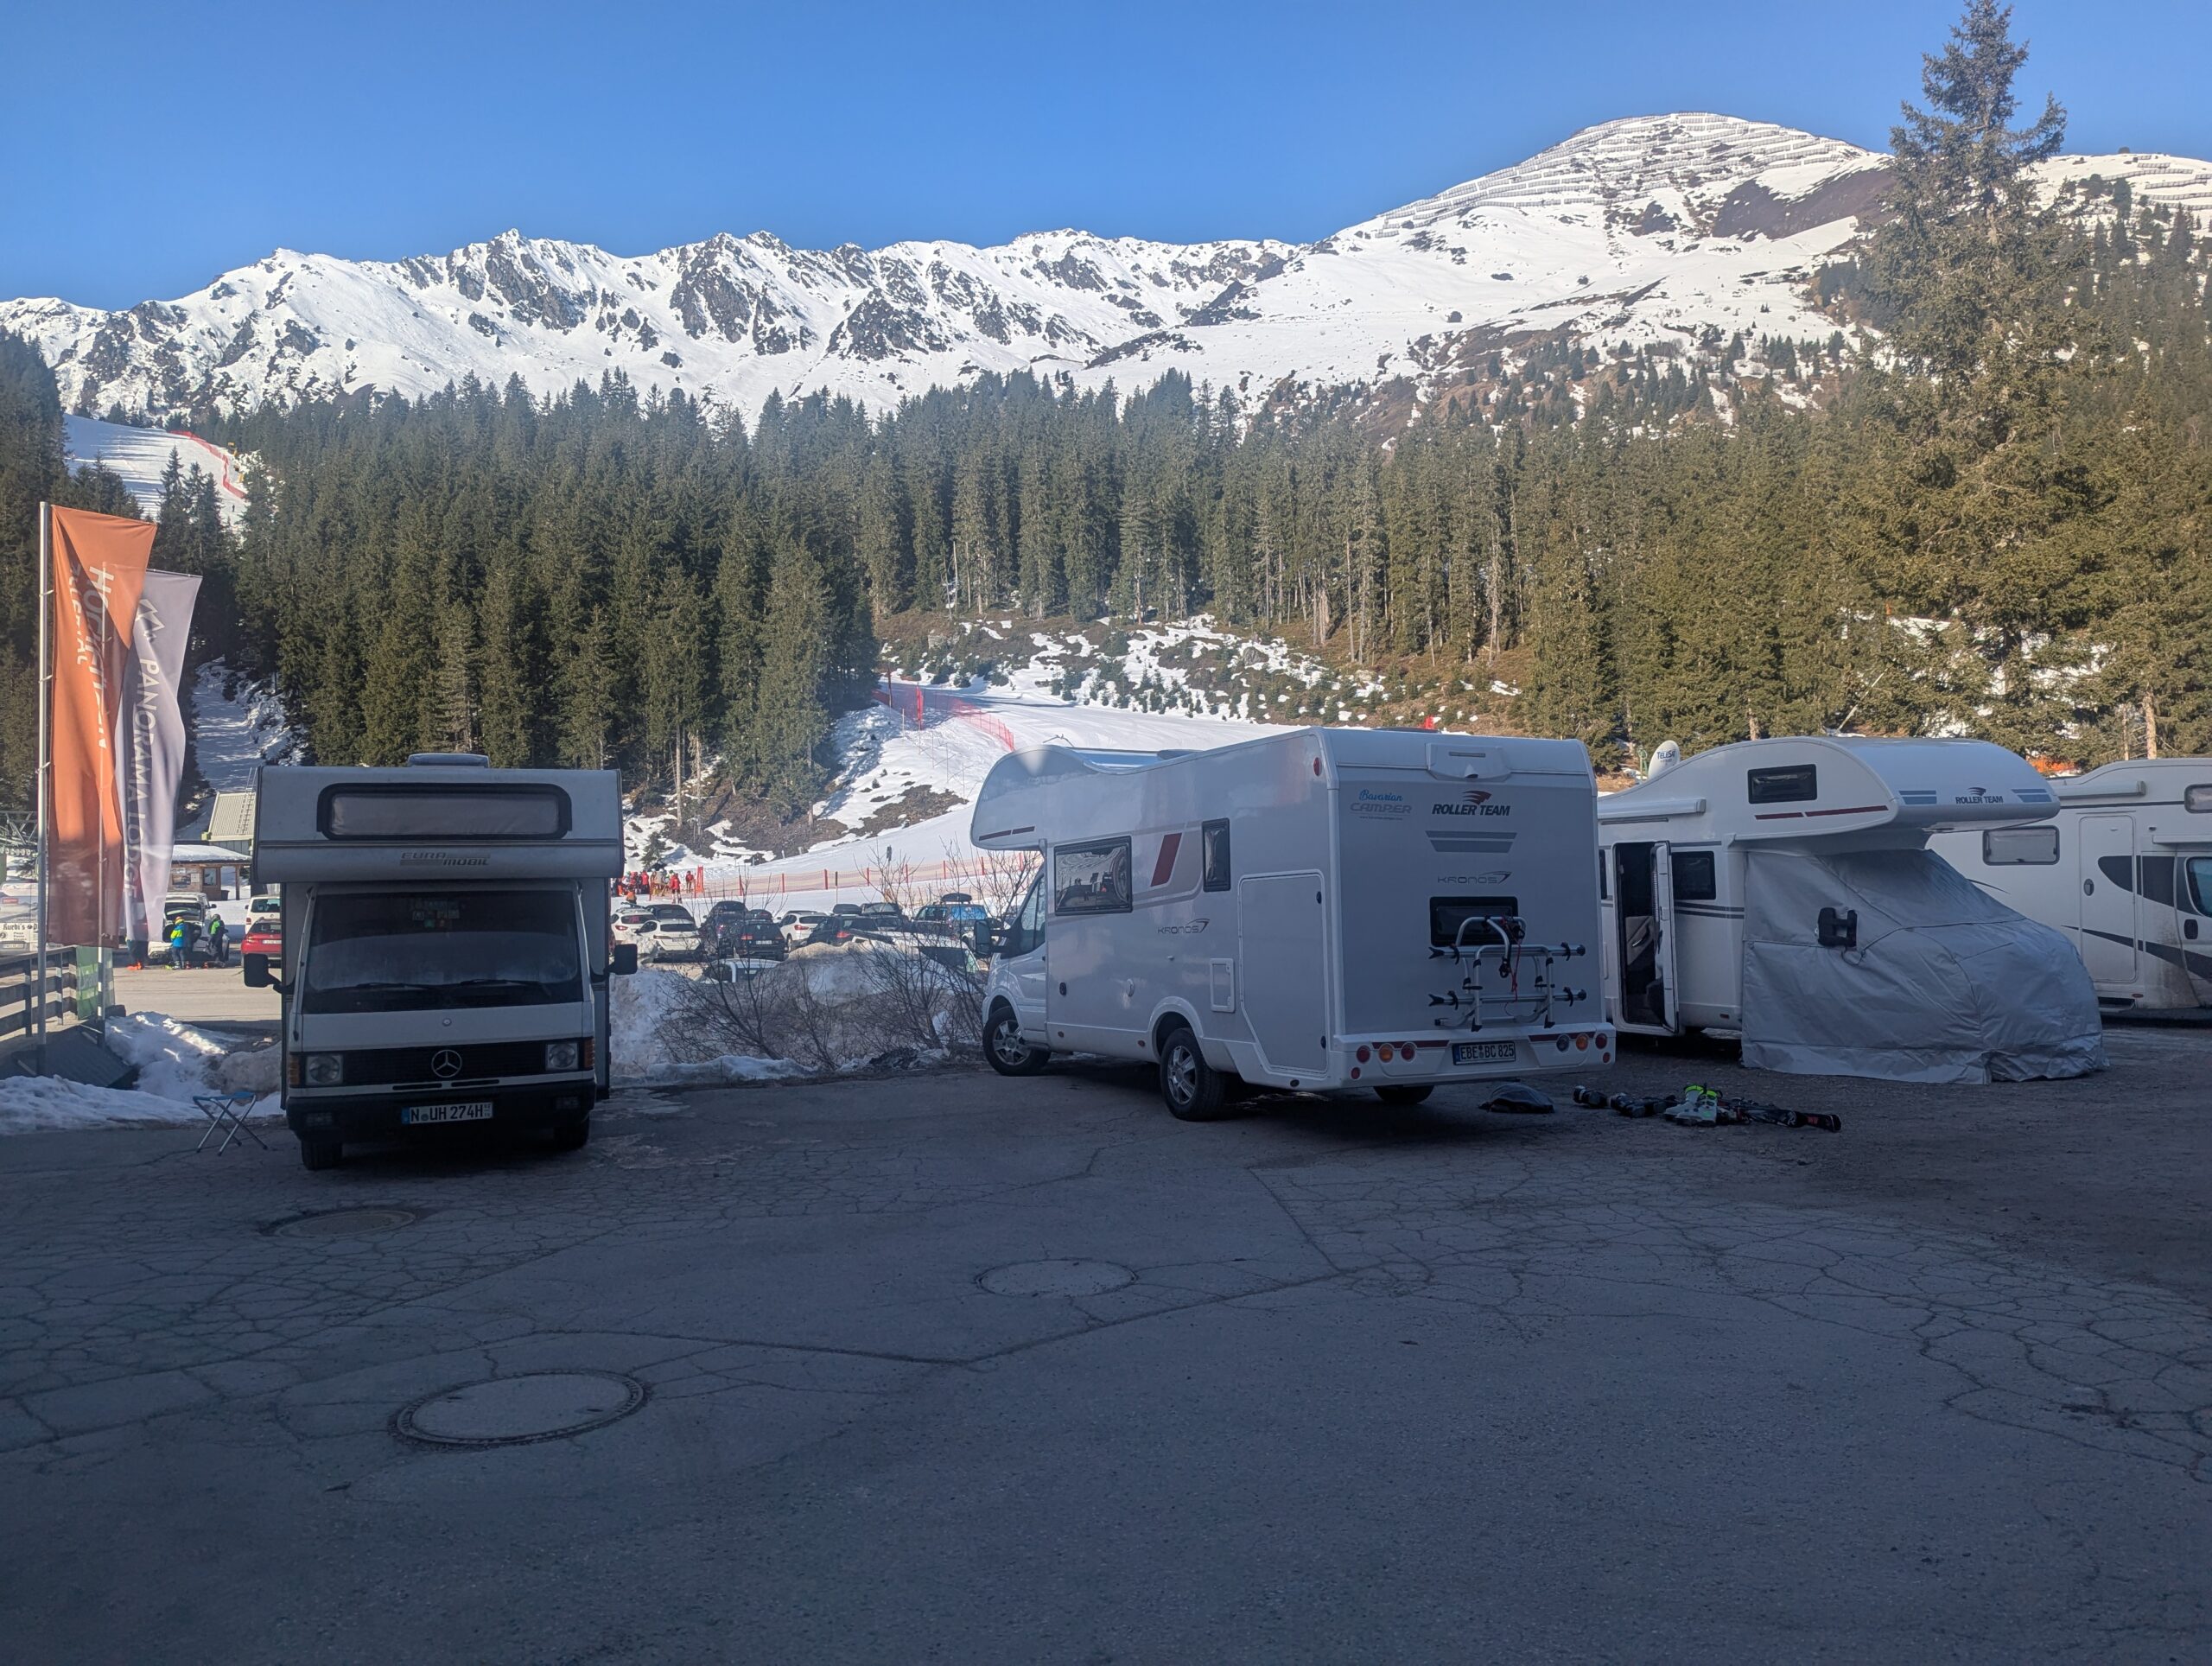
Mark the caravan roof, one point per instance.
(1834, 787)
(2184, 783)
(1011, 814)
(441, 819)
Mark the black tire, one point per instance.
(1405, 1093)
(321, 1153)
(573, 1136)
(1194, 1090)
(1002, 1045)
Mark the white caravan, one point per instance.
(2124, 869)
(1781, 891)
(1329, 910)
(445, 946)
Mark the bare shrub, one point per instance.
(924, 1002)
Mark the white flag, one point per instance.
(150, 744)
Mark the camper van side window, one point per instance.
(1693, 880)
(2019, 846)
(1797, 784)
(1215, 837)
(1091, 879)
(2198, 797)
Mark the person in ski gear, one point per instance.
(177, 943)
(219, 940)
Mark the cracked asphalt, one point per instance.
(1385, 1384)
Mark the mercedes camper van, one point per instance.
(1329, 910)
(2124, 870)
(446, 949)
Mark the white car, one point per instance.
(674, 935)
(634, 925)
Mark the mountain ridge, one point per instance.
(1676, 229)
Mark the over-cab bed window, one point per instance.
(370, 811)
(1091, 879)
(2198, 797)
(1793, 784)
(2019, 846)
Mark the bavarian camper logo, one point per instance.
(1473, 802)
(1371, 802)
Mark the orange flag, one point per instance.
(99, 568)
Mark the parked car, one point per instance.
(798, 925)
(970, 921)
(264, 935)
(882, 913)
(732, 930)
(188, 905)
(674, 936)
(634, 924)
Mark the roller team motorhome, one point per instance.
(1330, 910)
(1782, 890)
(2124, 870)
(445, 946)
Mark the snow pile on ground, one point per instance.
(31, 1103)
(175, 1061)
(653, 1043)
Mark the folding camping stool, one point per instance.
(226, 1110)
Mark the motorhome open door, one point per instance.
(2105, 855)
(1643, 914)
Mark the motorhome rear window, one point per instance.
(1216, 836)
(1795, 785)
(2019, 846)
(413, 812)
(1447, 914)
(2198, 797)
(1091, 879)
(1694, 876)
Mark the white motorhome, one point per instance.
(2124, 870)
(445, 946)
(1781, 891)
(1331, 910)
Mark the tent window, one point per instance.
(1694, 876)
(1797, 784)
(2017, 847)
(1215, 835)
(1091, 879)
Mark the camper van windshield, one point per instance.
(421, 950)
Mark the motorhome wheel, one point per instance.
(1405, 1093)
(1193, 1088)
(1009, 1054)
(321, 1153)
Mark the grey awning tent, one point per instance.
(1944, 983)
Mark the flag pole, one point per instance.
(45, 674)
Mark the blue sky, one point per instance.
(206, 135)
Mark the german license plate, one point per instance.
(1483, 1052)
(475, 1110)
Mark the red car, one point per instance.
(264, 936)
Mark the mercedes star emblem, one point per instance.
(446, 1063)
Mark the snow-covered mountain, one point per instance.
(1662, 228)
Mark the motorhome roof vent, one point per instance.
(451, 760)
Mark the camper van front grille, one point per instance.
(386, 1066)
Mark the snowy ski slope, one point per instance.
(140, 455)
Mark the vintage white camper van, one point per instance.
(1329, 910)
(1781, 891)
(2124, 869)
(445, 946)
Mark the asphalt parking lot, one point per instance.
(947, 1367)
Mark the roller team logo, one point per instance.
(1473, 802)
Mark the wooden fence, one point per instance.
(20, 991)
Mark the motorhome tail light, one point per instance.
(325, 1070)
(560, 1055)
(1581, 1042)
(1385, 1052)
(1362, 1055)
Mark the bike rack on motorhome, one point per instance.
(2124, 870)
(1781, 890)
(1329, 910)
(446, 946)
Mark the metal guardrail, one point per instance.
(20, 992)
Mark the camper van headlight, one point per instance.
(325, 1070)
(560, 1055)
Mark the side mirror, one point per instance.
(623, 961)
(1839, 931)
(256, 971)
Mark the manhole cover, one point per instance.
(345, 1222)
(512, 1411)
(1056, 1278)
